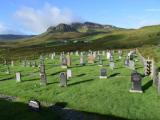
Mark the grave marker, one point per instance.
(18, 77)
(103, 73)
(43, 79)
(69, 73)
(136, 82)
(63, 79)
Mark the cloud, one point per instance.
(38, 20)
(4, 29)
(153, 10)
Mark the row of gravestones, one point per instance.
(135, 77)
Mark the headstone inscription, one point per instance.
(69, 73)
(63, 79)
(136, 82)
(103, 73)
(34, 105)
(18, 77)
(43, 78)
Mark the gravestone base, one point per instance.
(62, 85)
(63, 66)
(102, 77)
(135, 91)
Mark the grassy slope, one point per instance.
(85, 91)
(96, 41)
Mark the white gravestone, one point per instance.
(18, 77)
(69, 73)
(108, 55)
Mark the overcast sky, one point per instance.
(35, 16)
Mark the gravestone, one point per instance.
(8, 70)
(81, 60)
(18, 77)
(120, 52)
(91, 59)
(5, 62)
(136, 82)
(98, 57)
(68, 57)
(126, 62)
(64, 62)
(12, 63)
(34, 105)
(94, 54)
(24, 63)
(111, 59)
(100, 62)
(119, 57)
(108, 55)
(53, 55)
(132, 64)
(103, 73)
(43, 79)
(63, 79)
(112, 65)
(77, 53)
(103, 53)
(34, 64)
(69, 73)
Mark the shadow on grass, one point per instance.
(113, 75)
(147, 85)
(71, 114)
(56, 73)
(79, 82)
(80, 75)
(30, 80)
(22, 112)
(4, 79)
(52, 83)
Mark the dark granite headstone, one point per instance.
(63, 79)
(136, 82)
(103, 73)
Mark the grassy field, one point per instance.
(85, 91)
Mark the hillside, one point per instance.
(62, 38)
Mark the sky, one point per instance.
(35, 16)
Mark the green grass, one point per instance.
(85, 91)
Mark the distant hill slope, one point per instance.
(75, 40)
(14, 37)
